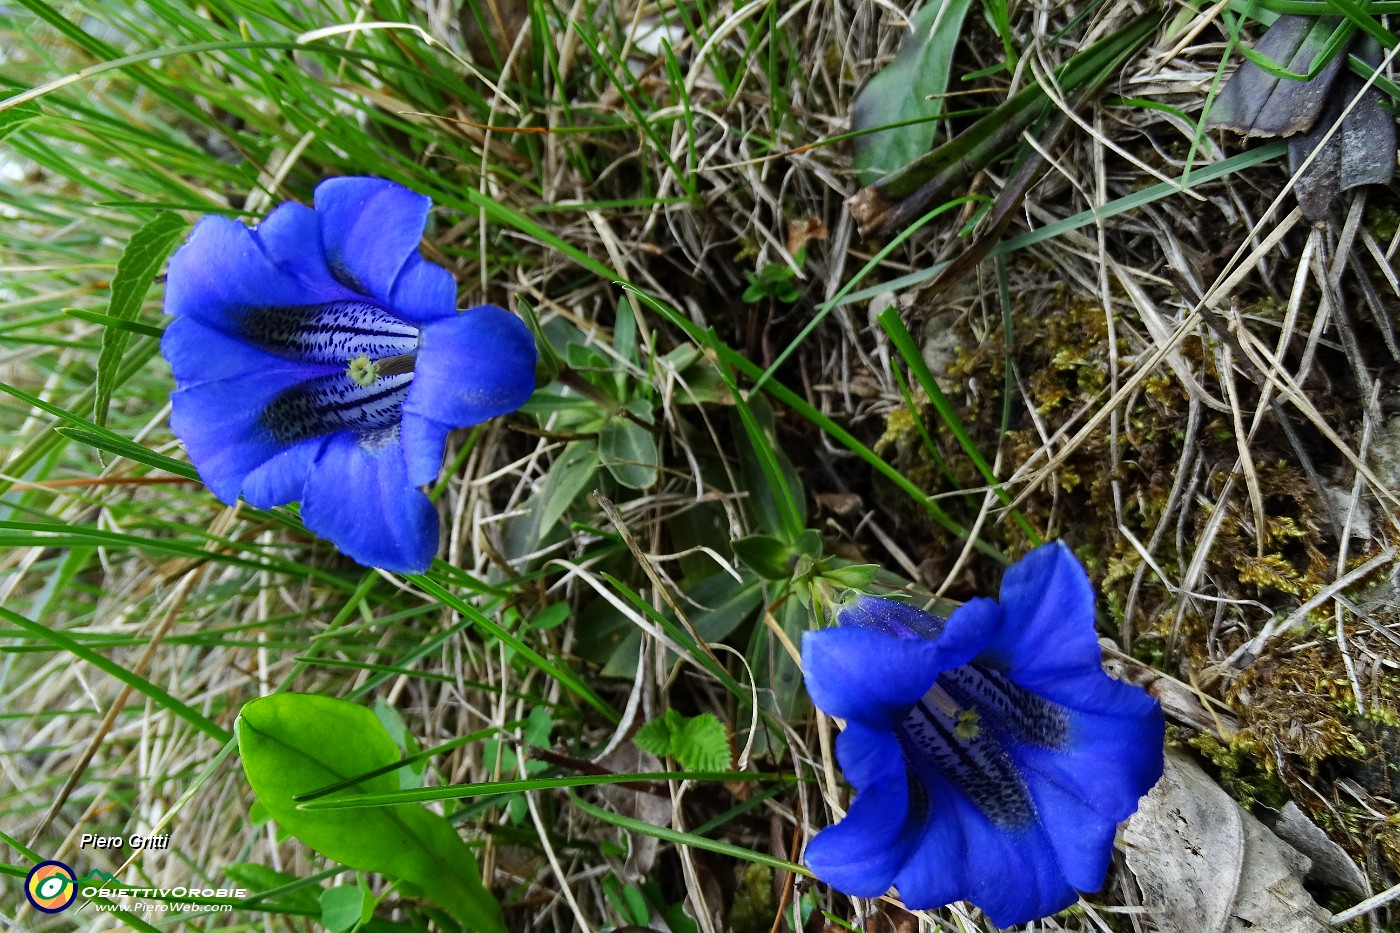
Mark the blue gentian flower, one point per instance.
(991, 755)
(318, 357)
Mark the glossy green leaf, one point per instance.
(907, 95)
(344, 907)
(293, 743)
(628, 451)
(143, 257)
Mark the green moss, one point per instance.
(1384, 220)
(754, 904)
(1237, 765)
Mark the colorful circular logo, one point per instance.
(50, 887)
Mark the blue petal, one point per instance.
(1082, 792)
(223, 269)
(225, 385)
(198, 354)
(861, 854)
(424, 291)
(424, 441)
(1047, 640)
(291, 238)
(1012, 877)
(370, 227)
(968, 631)
(866, 676)
(1080, 836)
(283, 477)
(473, 366)
(359, 497)
(889, 616)
(221, 426)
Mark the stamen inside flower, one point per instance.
(969, 725)
(363, 371)
(953, 732)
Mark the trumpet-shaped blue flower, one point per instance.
(318, 357)
(991, 755)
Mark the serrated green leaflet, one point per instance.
(702, 744)
(292, 743)
(150, 246)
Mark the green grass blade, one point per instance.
(139, 684)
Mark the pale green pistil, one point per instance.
(969, 725)
(364, 371)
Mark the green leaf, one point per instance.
(551, 616)
(143, 257)
(389, 718)
(140, 684)
(538, 725)
(295, 743)
(629, 452)
(908, 92)
(702, 744)
(775, 280)
(574, 471)
(809, 543)
(102, 439)
(765, 555)
(106, 320)
(901, 198)
(775, 670)
(776, 497)
(698, 743)
(656, 736)
(853, 576)
(342, 908)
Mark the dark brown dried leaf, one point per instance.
(1360, 152)
(1256, 103)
